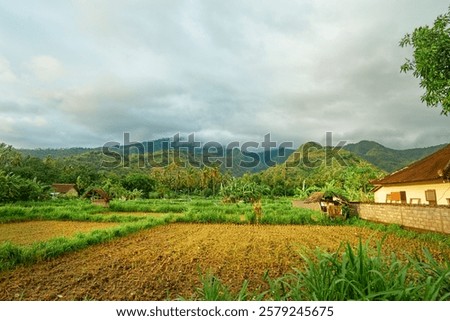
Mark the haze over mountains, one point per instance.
(385, 158)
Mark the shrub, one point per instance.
(15, 188)
(238, 190)
(365, 274)
(139, 182)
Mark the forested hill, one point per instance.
(389, 159)
(314, 167)
(56, 152)
(148, 147)
(256, 160)
(385, 158)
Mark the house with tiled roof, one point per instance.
(426, 181)
(68, 190)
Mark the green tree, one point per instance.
(33, 167)
(15, 188)
(114, 189)
(431, 61)
(140, 182)
(9, 157)
(243, 189)
(211, 180)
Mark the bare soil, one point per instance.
(25, 233)
(163, 263)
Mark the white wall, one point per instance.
(416, 191)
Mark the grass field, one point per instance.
(202, 249)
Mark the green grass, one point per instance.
(11, 213)
(280, 211)
(212, 289)
(154, 206)
(209, 217)
(195, 210)
(440, 239)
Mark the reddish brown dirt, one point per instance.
(28, 232)
(163, 263)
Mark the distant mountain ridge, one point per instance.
(257, 160)
(389, 159)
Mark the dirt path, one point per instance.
(25, 233)
(163, 262)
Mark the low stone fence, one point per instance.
(424, 217)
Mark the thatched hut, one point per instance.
(330, 203)
(98, 197)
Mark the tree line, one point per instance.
(25, 178)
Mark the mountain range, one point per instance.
(387, 159)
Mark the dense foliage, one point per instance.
(347, 174)
(243, 190)
(15, 188)
(431, 61)
(30, 178)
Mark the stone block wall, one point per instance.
(430, 218)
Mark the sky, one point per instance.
(83, 73)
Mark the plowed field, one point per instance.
(163, 262)
(28, 232)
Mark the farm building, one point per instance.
(426, 181)
(68, 190)
(329, 203)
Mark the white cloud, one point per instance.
(46, 68)
(8, 123)
(6, 74)
(36, 121)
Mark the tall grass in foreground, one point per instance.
(213, 289)
(438, 238)
(361, 274)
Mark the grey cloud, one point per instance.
(224, 69)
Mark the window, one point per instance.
(430, 196)
(398, 197)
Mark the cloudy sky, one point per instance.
(81, 73)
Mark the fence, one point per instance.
(431, 218)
